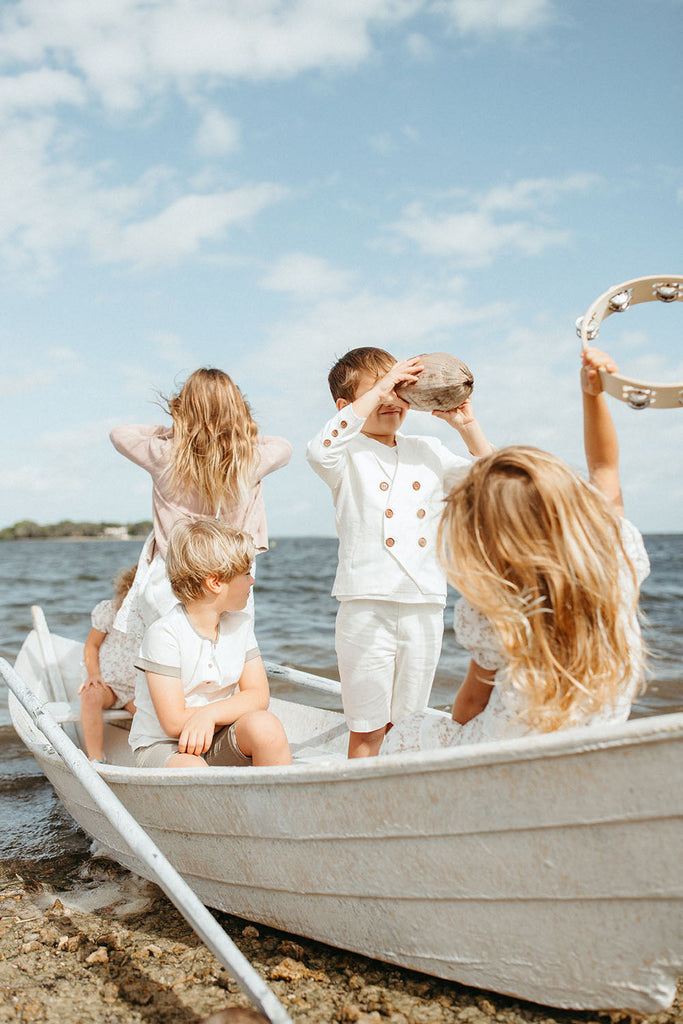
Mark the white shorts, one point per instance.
(387, 654)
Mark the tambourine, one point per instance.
(636, 393)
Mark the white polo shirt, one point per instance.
(209, 670)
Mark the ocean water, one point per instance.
(294, 625)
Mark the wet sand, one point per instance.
(104, 946)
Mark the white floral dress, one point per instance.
(117, 652)
(431, 729)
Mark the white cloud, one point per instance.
(305, 276)
(126, 51)
(419, 319)
(383, 143)
(74, 439)
(217, 134)
(419, 47)
(24, 384)
(39, 90)
(129, 49)
(171, 349)
(530, 193)
(181, 228)
(50, 203)
(49, 366)
(474, 239)
(484, 16)
(475, 235)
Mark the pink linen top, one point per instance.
(150, 447)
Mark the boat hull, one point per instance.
(547, 869)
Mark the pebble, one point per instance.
(99, 956)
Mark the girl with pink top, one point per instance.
(208, 465)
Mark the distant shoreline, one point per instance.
(72, 530)
(75, 539)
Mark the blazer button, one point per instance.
(390, 542)
(335, 433)
(343, 423)
(421, 513)
(422, 542)
(389, 513)
(416, 485)
(327, 442)
(384, 486)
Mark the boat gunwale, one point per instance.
(567, 743)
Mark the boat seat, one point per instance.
(312, 755)
(70, 711)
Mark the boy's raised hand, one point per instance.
(460, 417)
(593, 360)
(383, 390)
(405, 371)
(467, 425)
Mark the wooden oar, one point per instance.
(137, 840)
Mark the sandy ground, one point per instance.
(106, 947)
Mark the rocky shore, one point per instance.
(105, 947)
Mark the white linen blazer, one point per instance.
(388, 502)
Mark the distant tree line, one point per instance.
(28, 530)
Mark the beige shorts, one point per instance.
(223, 751)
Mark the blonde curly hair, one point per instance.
(537, 550)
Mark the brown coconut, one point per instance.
(445, 383)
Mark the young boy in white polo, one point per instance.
(204, 695)
(387, 489)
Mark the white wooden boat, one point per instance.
(548, 869)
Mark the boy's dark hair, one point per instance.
(344, 376)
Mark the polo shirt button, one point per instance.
(327, 442)
(389, 513)
(335, 433)
(384, 486)
(343, 423)
(390, 542)
(416, 485)
(421, 513)
(422, 542)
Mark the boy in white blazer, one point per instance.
(387, 489)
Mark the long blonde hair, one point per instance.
(537, 550)
(214, 453)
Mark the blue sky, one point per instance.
(262, 185)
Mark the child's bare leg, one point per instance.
(366, 744)
(186, 761)
(93, 702)
(261, 736)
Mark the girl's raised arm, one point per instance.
(599, 434)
